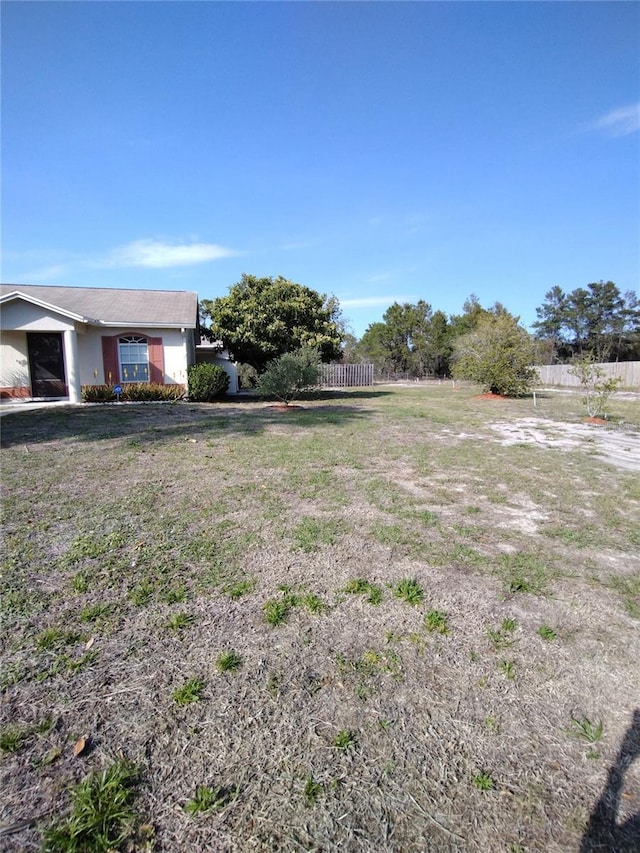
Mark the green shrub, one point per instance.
(143, 392)
(206, 382)
(290, 375)
(132, 392)
(98, 394)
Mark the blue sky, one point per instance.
(378, 151)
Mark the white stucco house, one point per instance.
(54, 340)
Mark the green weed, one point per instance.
(229, 661)
(12, 739)
(312, 790)
(95, 611)
(546, 632)
(141, 593)
(239, 588)
(190, 691)
(206, 798)
(360, 586)
(584, 729)
(314, 603)
(52, 638)
(409, 590)
(102, 817)
(80, 582)
(483, 782)
(179, 621)
(501, 637)
(436, 622)
(508, 669)
(345, 739)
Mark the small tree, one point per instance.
(206, 382)
(288, 376)
(262, 318)
(498, 354)
(597, 386)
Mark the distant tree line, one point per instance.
(261, 319)
(596, 321)
(413, 339)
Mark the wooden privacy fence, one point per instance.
(345, 375)
(558, 374)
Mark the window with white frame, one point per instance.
(134, 358)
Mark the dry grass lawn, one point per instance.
(402, 619)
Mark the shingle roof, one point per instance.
(117, 307)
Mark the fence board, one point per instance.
(345, 375)
(558, 374)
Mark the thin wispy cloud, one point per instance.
(44, 275)
(154, 254)
(621, 121)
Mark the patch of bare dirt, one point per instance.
(615, 446)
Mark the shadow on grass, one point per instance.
(604, 833)
(150, 423)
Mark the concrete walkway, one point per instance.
(8, 407)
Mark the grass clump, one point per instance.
(345, 739)
(546, 632)
(276, 610)
(312, 790)
(409, 590)
(179, 621)
(584, 729)
(314, 603)
(483, 782)
(359, 586)
(239, 588)
(190, 691)
(229, 661)
(12, 739)
(508, 669)
(206, 798)
(102, 817)
(52, 638)
(436, 622)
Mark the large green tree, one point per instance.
(598, 321)
(410, 339)
(262, 318)
(497, 354)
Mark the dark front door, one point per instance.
(46, 364)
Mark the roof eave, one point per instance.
(64, 312)
(119, 323)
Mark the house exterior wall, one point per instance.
(91, 354)
(14, 365)
(21, 315)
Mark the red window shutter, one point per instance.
(110, 360)
(156, 360)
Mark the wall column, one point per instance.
(72, 365)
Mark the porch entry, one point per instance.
(46, 364)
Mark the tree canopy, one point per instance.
(597, 320)
(498, 354)
(263, 318)
(410, 339)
